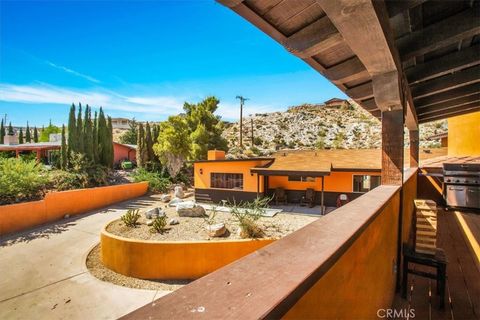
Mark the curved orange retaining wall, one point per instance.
(21, 216)
(172, 259)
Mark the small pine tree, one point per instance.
(64, 151)
(35, 135)
(140, 145)
(10, 129)
(72, 131)
(20, 136)
(2, 132)
(28, 136)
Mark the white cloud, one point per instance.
(75, 73)
(231, 111)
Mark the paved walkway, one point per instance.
(43, 273)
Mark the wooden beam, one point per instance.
(449, 104)
(392, 147)
(445, 83)
(414, 148)
(448, 95)
(451, 113)
(314, 38)
(440, 34)
(444, 65)
(369, 105)
(349, 70)
(361, 92)
(395, 7)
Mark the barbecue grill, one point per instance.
(462, 185)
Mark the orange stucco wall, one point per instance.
(21, 216)
(409, 192)
(202, 180)
(464, 135)
(336, 182)
(172, 260)
(362, 280)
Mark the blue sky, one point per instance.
(142, 60)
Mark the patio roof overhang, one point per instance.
(303, 173)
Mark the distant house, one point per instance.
(124, 152)
(120, 123)
(336, 103)
(443, 137)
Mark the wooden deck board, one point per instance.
(462, 298)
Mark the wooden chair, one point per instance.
(309, 198)
(280, 196)
(425, 251)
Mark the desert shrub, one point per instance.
(21, 180)
(210, 219)
(247, 215)
(130, 218)
(159, 224)
(63, 180)
(156, 182)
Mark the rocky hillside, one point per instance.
(316, 126)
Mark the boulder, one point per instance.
(174, 202)
(165, 198)
(151, 213)
(178, 193)
(149, 222)
(173, 221)
(190, 209)
(216, 230)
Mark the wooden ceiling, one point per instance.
(433, 47)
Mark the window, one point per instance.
(226, 180)
(301, 178)
(365, 183)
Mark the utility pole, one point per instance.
(242, 101)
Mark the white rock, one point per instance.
(165, 198)
(174, 202)
(190, 209)
(149, 222)
(178, 192)
(173, 221)
(151, 213)
(216, 230)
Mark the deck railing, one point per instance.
(343, 265)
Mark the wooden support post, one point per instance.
(39, 156)
(258, 185)
(414, 148)
(392, 147)
(17, 153)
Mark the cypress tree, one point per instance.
(110, 143)
(79, 133)
(28, 137)
(63, 152)
(20, 136)
(72, 131)
(10, 129)
(88, 133)
(2, 132)
(35, 134)
(148, 144)
(102, 139)
(140, 145)
(95, 139)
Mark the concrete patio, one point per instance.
(44, 274)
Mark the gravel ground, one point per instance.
(97, 269)
(193, 229)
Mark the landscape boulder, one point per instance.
(173, 221)
(216, 230)
(174, 202)
(178, 192)
(149, 222)
(165, 198)
(151, 213)
(190, 209)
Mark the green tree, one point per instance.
(141, 150)
(95, 138)
(35, 134)
(79, 132)
(173, 146)
(20, 136)
(72, 132)
(110, 151)
(64, 151)
(28, 136)
(51, 129)
(10, 129)
(130, 136)
(88, 133)
(2, 132)
(105, 140)
(210, 136)
(149, 143)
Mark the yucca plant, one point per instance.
(247, 214)
(159, 224)
(130, 218)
